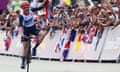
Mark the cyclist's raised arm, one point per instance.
(37, 9)
(20, 25)
(44, 5)
(20, 20)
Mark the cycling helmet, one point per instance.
(24, 4)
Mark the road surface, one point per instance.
(12, 64)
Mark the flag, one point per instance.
(67, 44)
(3, 4)
(72, 35)
(50, 11)
(61, 41)
(67, 2)
(60, 44)
(46, 5)
(15, 32)
(66, 49)
(7, 43)
(46, 9)
(78, 42)
(91, 34)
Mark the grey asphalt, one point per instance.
(12, 64)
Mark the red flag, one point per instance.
(46, 5)
(7, 43)
(46, 12)
(67, 45)
(61, 41)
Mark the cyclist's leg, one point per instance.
(40, 36)
(35, 31)
(25, 44)
(24, 40)
(35, 47)
(39, 39)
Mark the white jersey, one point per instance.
(28, 20)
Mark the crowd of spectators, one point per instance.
(74, 17)
(87, 21)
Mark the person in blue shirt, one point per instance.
(28, 26)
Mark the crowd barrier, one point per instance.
(107, 49)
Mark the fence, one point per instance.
(107, 49)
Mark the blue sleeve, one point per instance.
(20, 20)
(36, 9)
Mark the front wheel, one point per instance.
(28, 55)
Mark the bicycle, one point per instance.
(28, 53)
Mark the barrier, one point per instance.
(107, 49)
(112, 46)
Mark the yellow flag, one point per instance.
(77, 46)
(78, 43)
(67, 2)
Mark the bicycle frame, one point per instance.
(28, 57)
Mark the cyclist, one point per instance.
(28, 27)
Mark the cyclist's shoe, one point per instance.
(33, 52)
(23, 63)
(23, 66)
